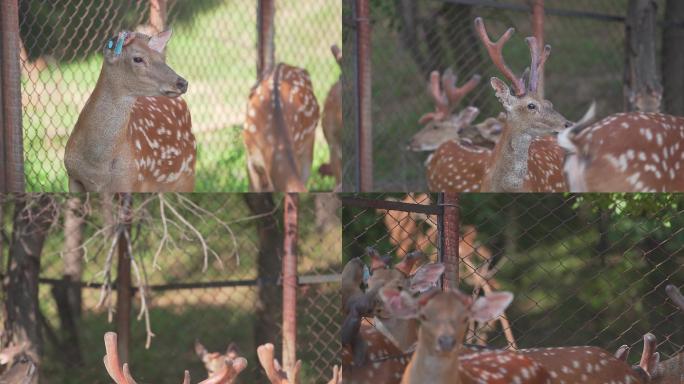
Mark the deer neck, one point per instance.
(104, 118)
(429, 367)
(508, 166)
(401, 332)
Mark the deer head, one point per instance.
(527, 112)
(215, 362)
(136, 63)
(442, 124)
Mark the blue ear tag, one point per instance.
(120, 43)
(366, 273)
(110, 44)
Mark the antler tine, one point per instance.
(537, 62)
(186, 377)
(408, 261)
(265, 355)
(495, 51)
(649, 358)
(441, 103)
(112, 362)
(455, 94)
(675, 295)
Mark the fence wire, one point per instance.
(223, 304)
(214, 48)
(412, 39)
(584, 269)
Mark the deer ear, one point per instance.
(469, 114)
(426, 277)
(200, 350)
(158, 42)
(399, 303)
(503, 93)
(490, 307)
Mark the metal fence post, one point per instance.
(449, 239)
(291, 206)
(363, 88)
(265, 36)
(11, 142)
(124, 291)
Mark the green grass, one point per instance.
(217, 54)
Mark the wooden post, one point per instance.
(642, 88)
(363, 89)
(538, 32)
(124, 292)
(450, 236)
(265, 35)
(11, 141)
(291, 206)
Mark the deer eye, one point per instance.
(531, 106)
(138, 59)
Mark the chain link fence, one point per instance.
(584, 269)
(411, 39)
(214, 47)
(233, 293)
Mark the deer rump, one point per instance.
(279, 130)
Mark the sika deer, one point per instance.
(438, 357)
(279, 131)
(331, 121)
(134, 133)
(215, 362)
(626, 152)
(528, 115)
(121, 375)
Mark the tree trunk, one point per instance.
(34, 214)
(643, 91)
(673, 57)
(124, 291)
(268, 267)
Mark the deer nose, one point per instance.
(446, 343)
(182, 84)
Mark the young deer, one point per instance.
(122, 375)
(134, 133)
(439, 357)
(463, 150)
(279, 130)
(626, 152)
(528, 116)
(331, 121)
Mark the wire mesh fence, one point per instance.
(214, 47)
(584, 269)
(230, 294)
(412, 39)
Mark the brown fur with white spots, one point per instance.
(122, 375)
(331, 121)
(279, 131)
(626, 152)
(439, 357)
(134, 133)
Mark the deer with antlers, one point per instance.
(134, 133)
(331, 121)
(279, 130)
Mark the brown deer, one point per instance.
(122, 375)
(528, 115)
(626, 152)
(331, 121)
(279, 130)
(134, 133)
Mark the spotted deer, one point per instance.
(331, 121)
(122, 375)
(528, 116)
(626, 152)
(279, 130)
(134, 132)
(464, 151)
(439, 356)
